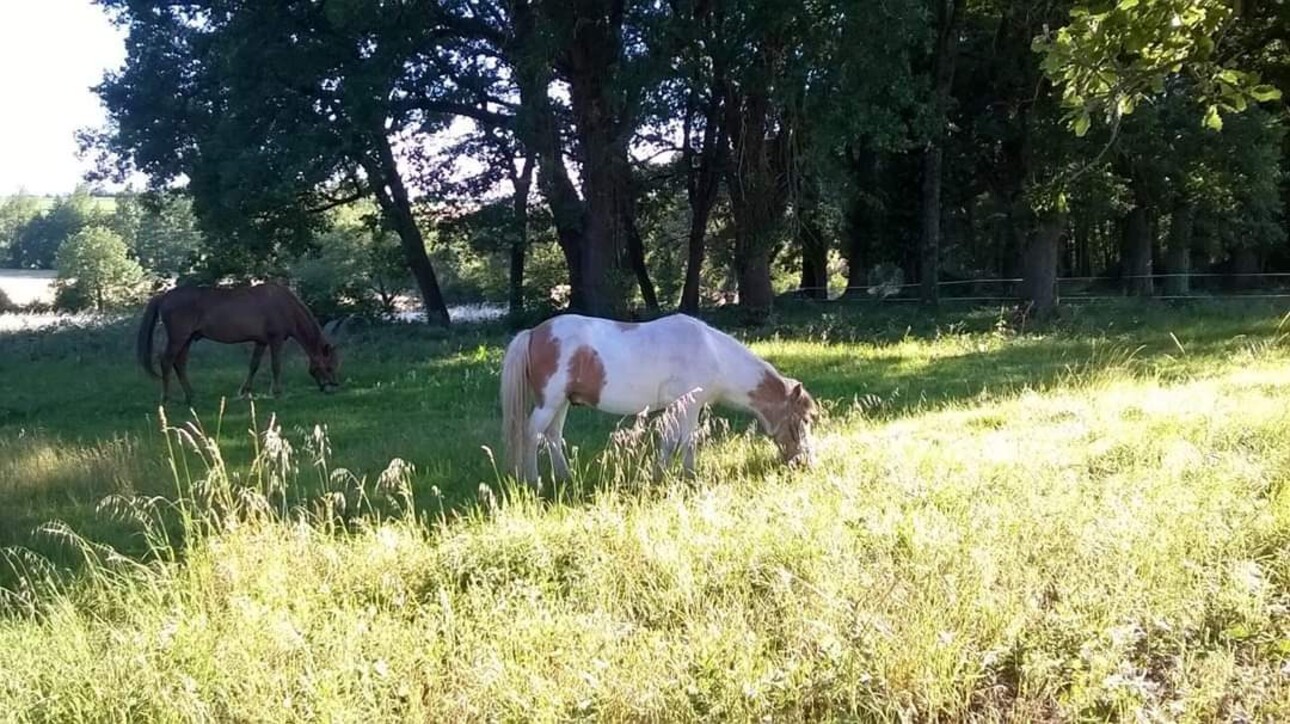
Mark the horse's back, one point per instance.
(634, 366)
(228, 314)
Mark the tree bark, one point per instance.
(866, 221)
(702, 182)
(1039, 265)
(755, 291)
(392, 196)
(758, 198)
(539, 131)
(948, 18)
(522, 182)
(1245, 265)
(1135, 252)
(604, 122)
(814, 282)
(635, 243)
(1178, 255)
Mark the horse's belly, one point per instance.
(635, 397)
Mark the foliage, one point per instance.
(16, 212)
(95, 270)
(356, 267)
(38, 241)
(1115, 55)
(741, 119)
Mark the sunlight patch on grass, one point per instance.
(1062, 561)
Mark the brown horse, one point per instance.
(266, 314)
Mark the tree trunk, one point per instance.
(1135, 252)
(866, 222)
(1178, 255)
(635, 244)
(930, 224)
(604, 122)
(538, 130)
(948, 18)
(522, 181)
(701, 187)
(392, 196)
(814, 282)
(1245, 265)
(758, 198)
(1039, 272)
(755, 291)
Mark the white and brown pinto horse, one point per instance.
(676, 364)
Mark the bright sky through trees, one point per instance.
(51, 52)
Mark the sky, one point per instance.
(51, 53)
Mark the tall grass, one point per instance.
(1111, 544)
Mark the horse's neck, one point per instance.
(307, 331)
(745, 373)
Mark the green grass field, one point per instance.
(1085, 521)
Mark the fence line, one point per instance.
(893, 292)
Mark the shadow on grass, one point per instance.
(430, 397)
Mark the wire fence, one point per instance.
(1169, 287)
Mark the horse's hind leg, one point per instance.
(539, 422)
(168, 359)
(275, 362)
(181, 371)
(256, 356)
(555, 444)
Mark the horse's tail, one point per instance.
(515, 396)
(143, 345)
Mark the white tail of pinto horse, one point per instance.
(515, 399)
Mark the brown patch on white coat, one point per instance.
(786, 411)
(544, 360)
(586, 377)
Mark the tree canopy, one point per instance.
(947, 139)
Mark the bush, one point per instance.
(355, 270)
(95, 270)
(6, 304)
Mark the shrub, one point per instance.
(95, 270)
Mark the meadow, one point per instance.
(1085, 520)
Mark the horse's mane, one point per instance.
(307, 323)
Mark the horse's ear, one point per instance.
(795, 393)
(328, 347)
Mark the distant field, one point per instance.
(24, 286)
(1084, 521)
(104, 203)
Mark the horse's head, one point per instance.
(323, 365)
(788, 422)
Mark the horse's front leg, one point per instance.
(689, 423)
(256, 356)
(669, 427)
(275, 362)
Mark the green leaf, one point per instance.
(1081, 124)
(1213, 120)
(1126, 4)
(1264, 93)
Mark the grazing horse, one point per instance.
(676, 364)
(266, 314)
